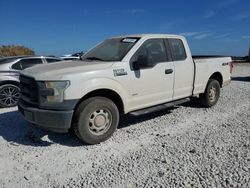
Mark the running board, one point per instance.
(159, 107)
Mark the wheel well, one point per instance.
(110, 94)
(217, 76)
(10, 82)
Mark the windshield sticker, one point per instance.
(129, 40)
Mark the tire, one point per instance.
(9, 95)
(95, 120)
(212, 93)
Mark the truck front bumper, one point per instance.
(57, 121)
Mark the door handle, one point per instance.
(169, 71)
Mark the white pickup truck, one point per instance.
(134, 74)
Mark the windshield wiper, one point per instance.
(94, 58)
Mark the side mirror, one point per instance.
(142, 62)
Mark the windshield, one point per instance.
(111, 49)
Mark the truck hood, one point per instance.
(60, 70)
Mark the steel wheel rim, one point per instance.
(212, 94)
(9, 96)
(100, 121)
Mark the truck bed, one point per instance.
(204, 70)
(207, 56)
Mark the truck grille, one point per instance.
(29, 91)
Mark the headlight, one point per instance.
(58, 89)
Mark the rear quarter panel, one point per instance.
(7, 74)
(205, 68)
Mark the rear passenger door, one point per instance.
(183, 69)
(30, 62)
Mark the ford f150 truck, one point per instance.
(134, 74)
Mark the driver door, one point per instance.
(153, 83)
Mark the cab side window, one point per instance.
(178, 49)
(52, 60)
(154, 50)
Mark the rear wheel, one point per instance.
(212, 93)
(9, 95)
(95, 120)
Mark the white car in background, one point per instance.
(10, 68)
(75, 56)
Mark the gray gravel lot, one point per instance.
(187, 146)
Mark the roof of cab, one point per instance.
(148, 35)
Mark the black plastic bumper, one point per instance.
(57, 121)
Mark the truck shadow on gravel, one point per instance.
(194, 103)
(130, 120)
(242, 79)
(16, 131)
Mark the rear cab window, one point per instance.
(52, 60)
(177, 49)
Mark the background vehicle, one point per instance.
(69, 58)
(134, 74)
(75, 56)
(9, 76)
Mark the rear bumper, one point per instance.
(57, 121)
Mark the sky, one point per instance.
(57, 27)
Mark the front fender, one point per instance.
(77, 90)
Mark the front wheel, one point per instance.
(9, 95)
(95, 120)
(212, 93)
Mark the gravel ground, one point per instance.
(187, 146)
